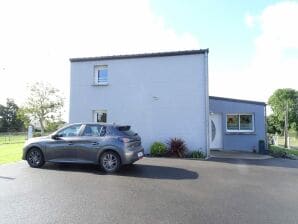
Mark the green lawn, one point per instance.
(11, 152)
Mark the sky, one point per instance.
(253, 45)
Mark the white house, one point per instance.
(161, 95)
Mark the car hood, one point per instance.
(38, 140)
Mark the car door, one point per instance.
(63, 148)
(92, 138)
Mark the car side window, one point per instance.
(70, 131)
(93, 130)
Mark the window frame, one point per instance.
(239, 123)
(95, 75)
(69, 126)
(94, 115)
(102, 127)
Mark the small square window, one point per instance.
(101, 75)
(100, 116)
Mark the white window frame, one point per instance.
(239, 130)
(95, 76)
(94, 115)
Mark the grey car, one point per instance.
(108, 145)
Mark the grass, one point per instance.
(278, 151)
(10, 152)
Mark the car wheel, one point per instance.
(110, 161)
(35, 158)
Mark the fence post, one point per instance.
(30, 132)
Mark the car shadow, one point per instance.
(134, 170)
(274, 162)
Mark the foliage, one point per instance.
(196, 155)
(277, 152)
(278, 102)
(176, 147)
(158, 149)
(274, 125)
(44, 103)
(9, 119)
(54, 125)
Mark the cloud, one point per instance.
(38, 37)
(274, 61)
(250, 20)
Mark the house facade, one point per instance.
(236, 124)
(161, 95)
(164, 95)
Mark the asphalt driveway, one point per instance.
(155, 190)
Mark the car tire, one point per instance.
(35, 158)
(110, 162)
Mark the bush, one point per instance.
(158, 149)
(197, 155)
(176, 147)
(278, 152)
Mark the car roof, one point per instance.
(95, 123)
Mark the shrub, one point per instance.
(176, 147)
(197, 155)
(278, 152)
(158, 149)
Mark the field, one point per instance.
(11, 147)
(293, 141)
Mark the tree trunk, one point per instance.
(286, 126)
(41, 126)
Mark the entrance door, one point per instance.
(215, 131)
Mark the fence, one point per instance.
(293, 140)
(12, 137)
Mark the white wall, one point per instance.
(160, 97)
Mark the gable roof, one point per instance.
(145, 55)
(237, 100)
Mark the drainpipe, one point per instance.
(206, 102)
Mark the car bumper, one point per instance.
(132, 156)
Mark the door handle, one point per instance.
(94, 143)
(70, 143)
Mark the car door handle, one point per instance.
(94, 143)
(70, 143)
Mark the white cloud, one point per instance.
(250, 20)
(38, 37)
(274, 63)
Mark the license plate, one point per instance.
(140, 154)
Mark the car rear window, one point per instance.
(126, 130)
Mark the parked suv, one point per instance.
(108, 145)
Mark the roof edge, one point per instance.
(237, 100)
(143, 55)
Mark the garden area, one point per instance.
(11, 145)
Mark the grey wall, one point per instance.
(160, 97)
(240, 141)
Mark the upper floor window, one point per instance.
(240, 123)
(100, 116)
(101, 75)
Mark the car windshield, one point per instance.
(69, 131)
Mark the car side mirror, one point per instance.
(55, 137)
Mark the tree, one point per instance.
(44, 103)
(284, 104)
(9, 119)
(274, 125)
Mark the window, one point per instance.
(240, 123)
(94, 130)
(100, 116)
(70, 131)
(101, 75)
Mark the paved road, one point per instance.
(152, 191)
